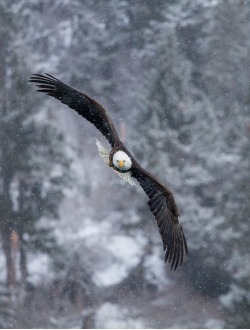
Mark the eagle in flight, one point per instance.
(160, 199)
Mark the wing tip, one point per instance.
(174, 253)
(45, 78)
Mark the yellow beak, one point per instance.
(121, 164)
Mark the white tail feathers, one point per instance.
(104, 153)
(127, 177)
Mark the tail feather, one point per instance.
(104, 153)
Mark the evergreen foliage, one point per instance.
(34, 169)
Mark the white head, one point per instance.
(122, 161)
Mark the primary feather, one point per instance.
(84, 105)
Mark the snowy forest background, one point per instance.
(79, 247)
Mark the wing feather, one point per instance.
(159, 207)
(161, 218)
(163, 206)
(155, 201)
(78, 101)
(161, 213)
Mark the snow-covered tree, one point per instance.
(33, 167)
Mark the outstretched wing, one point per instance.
(80, 102)
(162, 205)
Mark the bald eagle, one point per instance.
(160, 199)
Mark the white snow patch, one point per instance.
(111, 275)
(234, 295)
(214, 324)
(126, 254)
(2, 269)
(66, 32)
(155, 269)
(111, 316)
(125, 248)
(39, 269)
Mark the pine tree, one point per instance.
(33, 166)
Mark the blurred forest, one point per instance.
(79, 247)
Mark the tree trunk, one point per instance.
(23, 264)
(88, 319)
(9, 256)
(6, 224)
